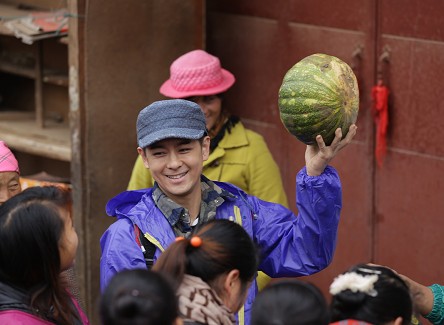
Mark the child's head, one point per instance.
(37, 237)
(370, 293)
(9, 174)
(290, 302)
(221, 253)
(139, 297)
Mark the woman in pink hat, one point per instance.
(9, 174)
(238, 155)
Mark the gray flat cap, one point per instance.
(173, 118)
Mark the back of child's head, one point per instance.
(139, 296)
(30, 231)
(290, 302)
(215, 248)
(370, 293)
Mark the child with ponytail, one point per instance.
(213, 269)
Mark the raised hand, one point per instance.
(318, 156)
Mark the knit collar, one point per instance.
(226, 127)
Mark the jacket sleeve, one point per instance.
(436, 316)
(140, 176)
(304, 244)
(263, 174)
(119, 251)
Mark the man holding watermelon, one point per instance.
(173, 144)
(238, 155)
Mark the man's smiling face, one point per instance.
(176, 165)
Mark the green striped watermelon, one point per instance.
(318, 94)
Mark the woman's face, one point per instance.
(68, 242)
(9, 185)
(211, 106)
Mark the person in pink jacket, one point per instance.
(38, 242)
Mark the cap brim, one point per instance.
(176, 133)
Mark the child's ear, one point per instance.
(398, 321)
(142, 154)
(231, 280)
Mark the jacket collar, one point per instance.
(178, 217)
(13, 298)
(236, 138)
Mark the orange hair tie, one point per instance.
(179, 239)
(195, 241)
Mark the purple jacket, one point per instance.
(290, 245)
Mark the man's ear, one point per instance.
(142, 154)
(231, 280)
(206, 148)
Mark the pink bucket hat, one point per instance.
(196, 73)
(8, 163)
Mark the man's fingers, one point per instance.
(337, 139)
(320, 141)
(351, 132)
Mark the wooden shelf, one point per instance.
(20, 132)
(27, 72)
(49, 76)
(56, 78)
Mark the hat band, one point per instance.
(205, 81)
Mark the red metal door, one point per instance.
(390, 214)
(408, 189)
(259, 41)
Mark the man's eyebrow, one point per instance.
(155, 146)
(184, 141)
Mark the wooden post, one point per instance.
(39, 109)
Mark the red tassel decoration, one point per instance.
(380, 95)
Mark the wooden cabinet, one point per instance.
(34, 101)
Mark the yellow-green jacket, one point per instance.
(241, 158)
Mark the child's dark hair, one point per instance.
(224, 246)
(139, 297)
(30, 231)
(290, 302)
(382, 301)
